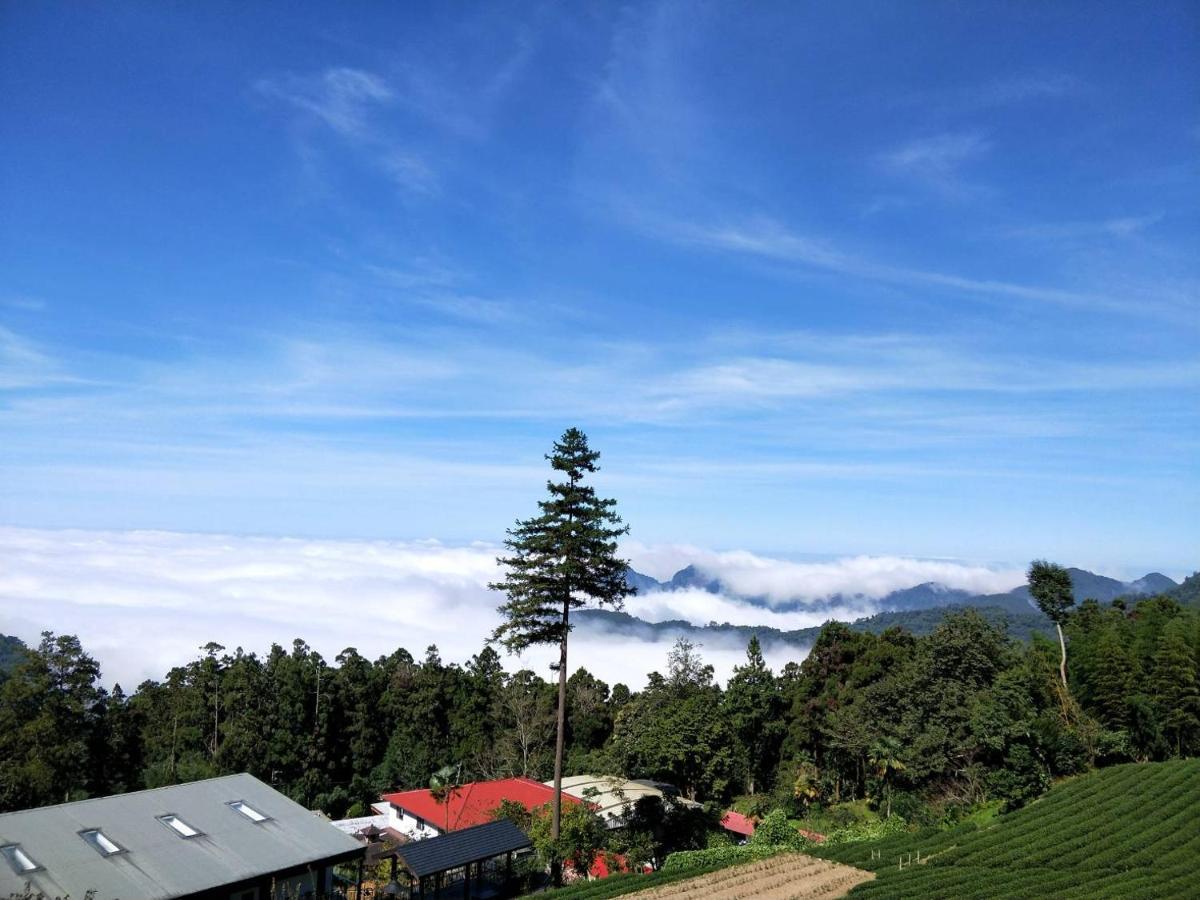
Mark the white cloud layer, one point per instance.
(143, 601)
(782, 581)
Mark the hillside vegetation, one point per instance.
(12, 652)
(1127, 831)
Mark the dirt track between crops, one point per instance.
(789, 877)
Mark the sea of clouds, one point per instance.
(144, 601)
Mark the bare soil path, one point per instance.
(790, 876)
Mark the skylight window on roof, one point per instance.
(248, 811)
(180, 827)
(104, 845)
(19, 859)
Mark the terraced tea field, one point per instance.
(1130, 831)
(790, 876)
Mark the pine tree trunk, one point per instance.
(556, 819)
(1062, 665)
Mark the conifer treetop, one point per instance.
(564, 556)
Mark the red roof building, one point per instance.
(737, 823)
(467, 805)
(605, 864)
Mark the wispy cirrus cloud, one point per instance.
(938, 162)
(464, 99)
(435, 287)
(764, 237)
(348, 101)
(331, 371)
(1020, 88)
(1011, 90)
(22, 302)
(1118, 227)
(341, 97)
(25, 364)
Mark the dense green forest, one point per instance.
(925, 727)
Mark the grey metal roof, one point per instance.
(449, 851)
(158, 863)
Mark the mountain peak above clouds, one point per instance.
(926, 595)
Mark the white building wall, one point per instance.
(405, 822)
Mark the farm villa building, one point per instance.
(453, 844)
(230, 838)
(613, 798)
(415, 815)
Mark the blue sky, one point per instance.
(898, 279)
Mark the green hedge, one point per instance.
(718, 857)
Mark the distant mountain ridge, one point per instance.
(918, 608)
(928, 595)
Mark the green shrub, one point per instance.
(914, 808)
(775, 831)
(754, 805)
(866, 831)
(718, 839)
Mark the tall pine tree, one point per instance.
(753, 704)
(1113, 676)
(1176, 691)
(565, 558)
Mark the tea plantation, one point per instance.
(1130, 831)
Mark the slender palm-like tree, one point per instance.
(884, 757)
(1052, 591)
(443, 784)
(807, 786)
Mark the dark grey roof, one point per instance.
(157, 862)
(449, 851)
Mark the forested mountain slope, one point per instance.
(1019, 625)
(1188, 593)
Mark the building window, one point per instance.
(103, 844)
(248, 811)
(180, 827)
(19, 859)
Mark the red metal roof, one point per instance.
(737, 823)
(472, 804)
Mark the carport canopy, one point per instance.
(459, 849)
